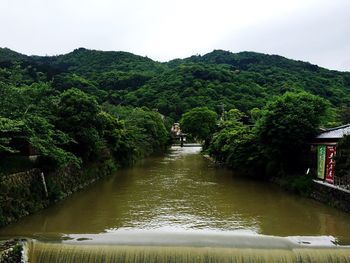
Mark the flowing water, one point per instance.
(182, 208)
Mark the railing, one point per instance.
(342, 182)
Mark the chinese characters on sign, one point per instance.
(330, 163)
(321, 161)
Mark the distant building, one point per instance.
(177, 134)
(176, 130)
(325, 146)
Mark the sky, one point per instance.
(317, 31)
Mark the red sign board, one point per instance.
(330, 163)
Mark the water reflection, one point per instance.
(184, 191)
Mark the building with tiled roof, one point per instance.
(334, 134)
(325, 146)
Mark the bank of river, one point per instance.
(183, 191)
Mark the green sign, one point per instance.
(321, 161)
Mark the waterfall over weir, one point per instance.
(57, 253)
(186, 248)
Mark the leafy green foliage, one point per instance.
(235, 144)
(199, 122)
(240, 81)
(278, 74)
(66, 81)
(277, 142)
(8, 129)
(197, 85)
(57, 103)
(118, 139)
(344, 114)
(145, 131)
(77, 114)
(287, 123)
(68, 127)
(343, 157)
(49, 142)
(31, 109)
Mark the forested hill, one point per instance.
(243, 80)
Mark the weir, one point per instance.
(182, 247)
(57, 253)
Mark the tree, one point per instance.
(146, 132)
(235, 145)
(49, 142)
(342, 167)
(77, 116)
(118, 139)
(344, 114)
(201, 123)
(9, 129)
(287, 124)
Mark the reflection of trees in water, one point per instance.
(183, 190)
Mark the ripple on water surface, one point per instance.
(183, 191)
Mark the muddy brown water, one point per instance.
(184, 192)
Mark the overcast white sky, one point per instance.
(317, 31)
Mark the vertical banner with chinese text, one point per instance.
(330, 163)
(321, 161)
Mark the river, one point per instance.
(183, 192)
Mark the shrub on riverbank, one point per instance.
(145, 132)
(343, 157)
(75, 142)
(276, 143)
(200, 123)
(70, 127)
(300, 184)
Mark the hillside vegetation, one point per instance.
(88, 103)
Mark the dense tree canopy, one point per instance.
(243, 80)
(200, 123)
(66, 125)
(88, 103)
(277, 141)
(8, 130)
(287, 123)
(77, 116)
(342, 167)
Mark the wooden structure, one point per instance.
(325, 146)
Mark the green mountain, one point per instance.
(243, 80)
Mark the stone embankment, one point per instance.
(10, 252)
(27, 192)
(331, 195)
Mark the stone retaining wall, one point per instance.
(10, 252)
(24, 193)
(20, 195)
(331, 195)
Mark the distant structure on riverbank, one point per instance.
(177, 134)
(325, 145)
(175, 129)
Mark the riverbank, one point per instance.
(10, 251)
(307, 187)
(316, 190)
(25, 193)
